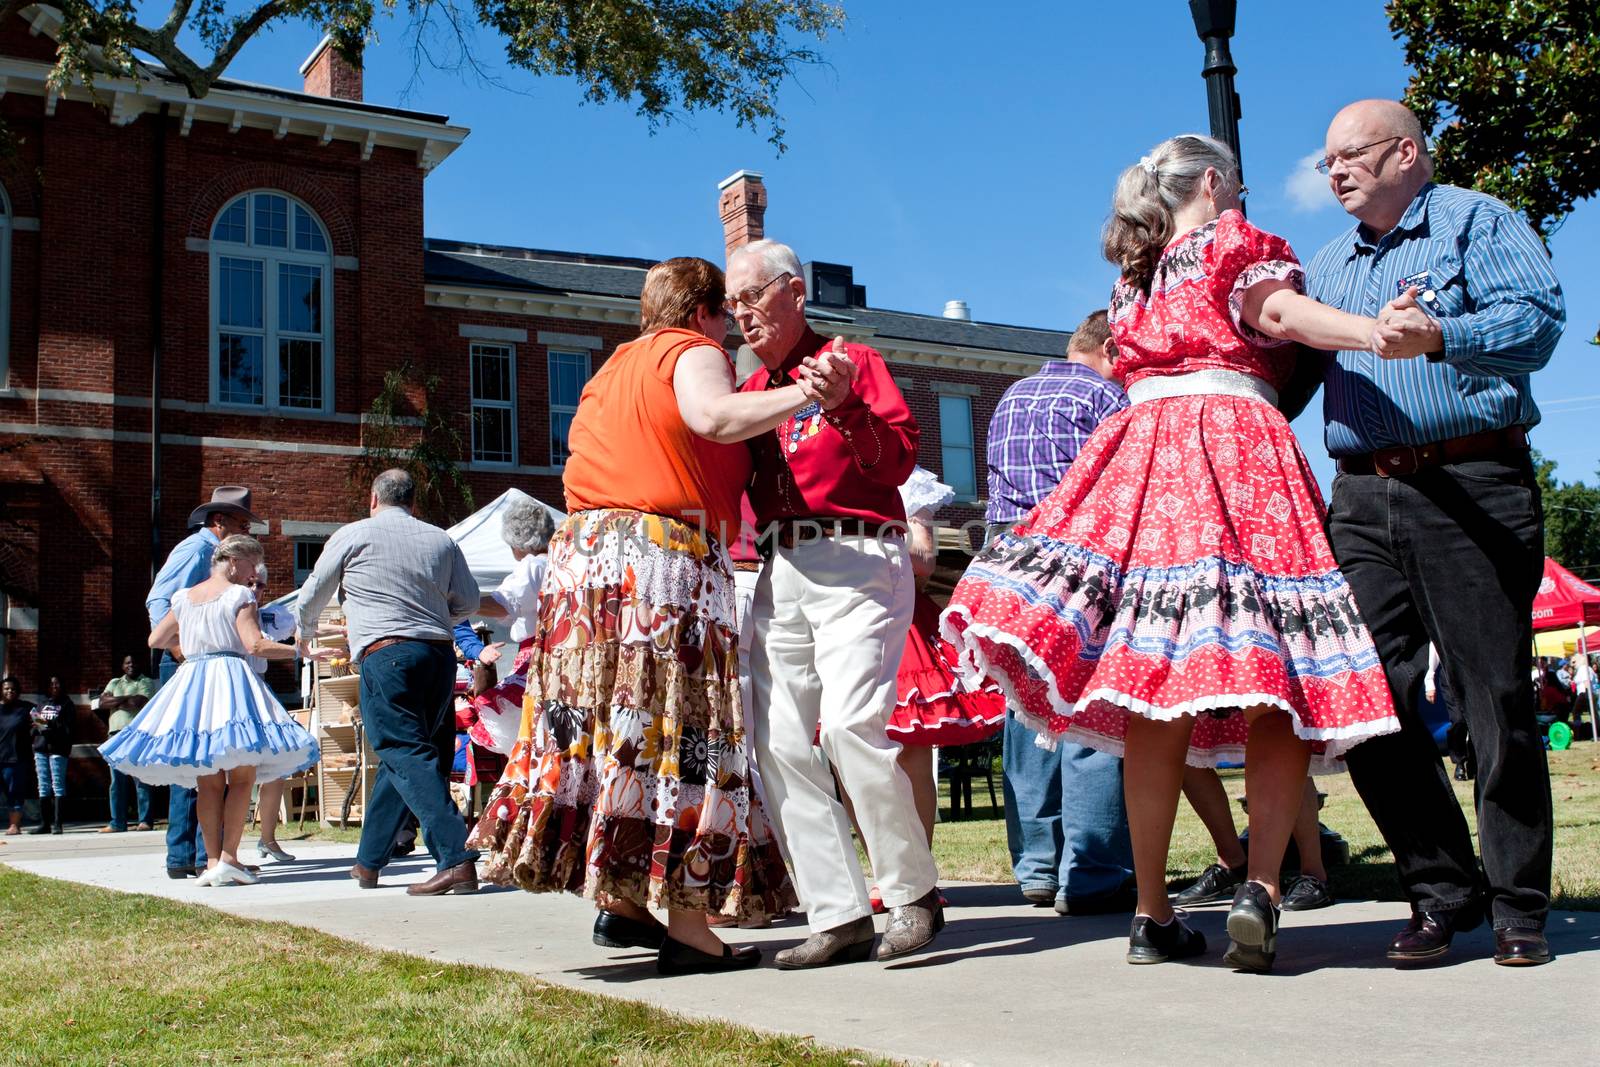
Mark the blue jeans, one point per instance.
(184, 845)
(13, 782)
(1066, 824)
(119, 800)
(51, 773)
(409, 716)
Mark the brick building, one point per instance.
(259, 254)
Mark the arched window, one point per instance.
(271, 305)
(5, 287)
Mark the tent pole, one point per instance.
(1594, 716)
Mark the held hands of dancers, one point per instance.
(1405, 329)
(827, 378)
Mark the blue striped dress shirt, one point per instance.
(1499, 307)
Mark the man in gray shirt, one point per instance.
(404, 584)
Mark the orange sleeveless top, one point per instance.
(630, 448)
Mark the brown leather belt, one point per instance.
(746, 565)
(385, 642)
(1509, 443)
(806, 531)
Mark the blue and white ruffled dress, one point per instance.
(215, 714)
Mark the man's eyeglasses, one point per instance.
(1348, 156)
(749, 297)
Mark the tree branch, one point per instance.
(241, 35)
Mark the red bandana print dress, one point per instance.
(1181, 568)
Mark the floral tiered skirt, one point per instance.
(1179, 569)
(630, 779)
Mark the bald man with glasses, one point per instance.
(1436, 519)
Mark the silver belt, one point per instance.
(1202, 383)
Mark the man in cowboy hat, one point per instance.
(226, 513)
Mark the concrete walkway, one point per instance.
(1005, 983)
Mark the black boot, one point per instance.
(46, 804)
(58, 826)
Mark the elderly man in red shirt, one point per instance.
(830, 618)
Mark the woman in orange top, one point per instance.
(630, 782)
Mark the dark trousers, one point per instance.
(407, 711)
(185, 847)
(1454, 555)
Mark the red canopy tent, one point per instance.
(1566, 600)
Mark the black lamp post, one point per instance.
(1213, 21)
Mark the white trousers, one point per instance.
(830, 626)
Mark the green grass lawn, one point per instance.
(975, 849)
(92, 976)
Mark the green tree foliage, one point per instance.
(668, 56)
(404, 428)
(1571, 521)
(1515, 85)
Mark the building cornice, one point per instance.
(594, 308)
(126, 99)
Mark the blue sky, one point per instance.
(946, 156)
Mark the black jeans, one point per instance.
(1454, 555)
(409, 715)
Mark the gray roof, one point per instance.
(531, 270)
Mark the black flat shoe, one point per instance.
(1308, 893)
(677, 958)
(177, 874)
(1151, 942)
(618, 931)
(1253, 928)
(1215, 884)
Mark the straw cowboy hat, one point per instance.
(233, 499)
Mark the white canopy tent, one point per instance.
(478, 534)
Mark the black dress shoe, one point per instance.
(1253, 929)
(1118, 901)
(1427, 936)
(677, 958)
(618, 931)
(1151, 942)
(180, 873)
(1521, 948)
(1307, 893)
(1215, 883)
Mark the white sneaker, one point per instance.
(208, 877)
(228, 874)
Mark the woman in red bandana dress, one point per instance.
(1175, 598)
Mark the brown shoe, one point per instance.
(911, 926)
(1521, 947)
(462, 878)
(109, 830)
(365, 878)
(144, 827)
(850, 943)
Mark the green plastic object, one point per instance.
(1560, 736)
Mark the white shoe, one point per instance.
(228, 874)
(207, 877)
(272, 852)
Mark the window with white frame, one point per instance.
(271, 305)
(306, 554)
(569, 373)
(957, 453)
(5, 287)
(494, 408)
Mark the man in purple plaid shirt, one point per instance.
(1066, 825)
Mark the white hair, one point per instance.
(775, 258)
(261, 572)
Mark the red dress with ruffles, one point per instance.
(1181, 567)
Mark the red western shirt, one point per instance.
(848, 463)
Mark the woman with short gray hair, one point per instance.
(526, 527)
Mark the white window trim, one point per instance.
(294, 554)
(270, 258)
(473, 403)
(550, 384)
(5, 288)
(971, 446)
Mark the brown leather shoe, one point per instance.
(912, 926)
(462, 878)
(365, 878)
(1521, 948)
(1427, 936)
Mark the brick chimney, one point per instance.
(743, 207)
(327, 73)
